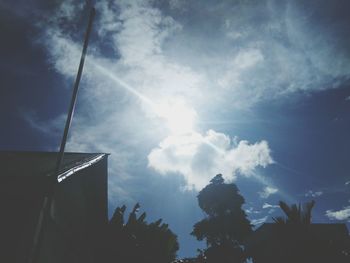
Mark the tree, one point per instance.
(295, 239)
(226, 224)
(295, 214)
(137, 241)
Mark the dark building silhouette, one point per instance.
(318, 243)
(78, 212)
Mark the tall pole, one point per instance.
(74, 95)
(45, 211)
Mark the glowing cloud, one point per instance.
(179, 117)
(199, 157)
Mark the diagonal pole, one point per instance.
(74, 95)
(45, 211)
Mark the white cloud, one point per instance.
(271, 208)
(199, 157)
(64, 53)
(149, 52)
(178, 5)
(268, 190)
(161, 58)
(274, 57)
(143, 31)
(244, 61)
(267, 205)
(343, 214)
(248, 58)
(311, 193)
(136, 31)
(259, 221)
(68, 9)
(112, 116)
(251, 210)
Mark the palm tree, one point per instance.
(137, 240)
(295, 214)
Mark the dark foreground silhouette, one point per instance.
(226, 225)
(137, 241)
(228, 234)
(293, 238)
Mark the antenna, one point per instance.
(75, 93)
(45, 211)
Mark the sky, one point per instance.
(178, 91)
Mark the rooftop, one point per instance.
(26, 164)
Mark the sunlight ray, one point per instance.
(179, 118)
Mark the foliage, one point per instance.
(226, 224)
(302, 241)
(139, 241)
(295, 214)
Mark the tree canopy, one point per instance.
(139, 241)
(295, 214)
(295, 239)
(226, 224)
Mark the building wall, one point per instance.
(79, 215)
(20, 203)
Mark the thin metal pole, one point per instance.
(74, 95)
(45, 211)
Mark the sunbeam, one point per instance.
(179, 117)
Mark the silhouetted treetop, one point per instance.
(219, 198)
(295, 239)
(138, 241)
(226, 224)
(217, 179)
(295, 214)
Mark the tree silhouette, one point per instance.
(295, 214)
(136, 241)
(295, 239)
(226, 224)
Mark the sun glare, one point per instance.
(178, 116)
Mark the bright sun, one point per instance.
(179, 117)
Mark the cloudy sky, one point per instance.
(178, 91)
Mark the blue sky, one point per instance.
(178, 91)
